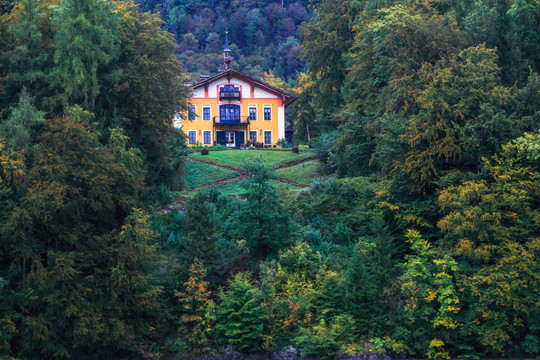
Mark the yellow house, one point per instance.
(234, 109)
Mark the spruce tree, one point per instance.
(198, 314)
(240, 316)
(202, 227)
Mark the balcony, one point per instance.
(231, 120)
(229, 95)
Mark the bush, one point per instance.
(204, 152)
(326, 339)
(283, 143)
(258, 144)
(295, 149)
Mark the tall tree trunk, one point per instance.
(307, 129)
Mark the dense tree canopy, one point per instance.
(420, 238)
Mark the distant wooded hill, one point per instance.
(263, 34)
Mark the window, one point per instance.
(267, 138)
(192, 113)
(192, 135)
(253, 136)
(206, 113)
(229, 113)
(267, 113)
(207, 137)
(230, 92)
(252, 113)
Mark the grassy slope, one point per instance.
(303, 173)
(197, 174)
(236, 158)
(236, 187)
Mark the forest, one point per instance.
(264, 35)
(419, 237)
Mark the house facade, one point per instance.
(235, 110)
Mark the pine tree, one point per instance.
(240, 316)
(20, 128)
(88, 261)
(86, 41)
(201, 226)
(198, 315)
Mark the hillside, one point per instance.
(408, 228)
(264, 34)
(225, 170)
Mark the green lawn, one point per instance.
(236, 158)
(303, 173)
(197, 174)
(236, 187)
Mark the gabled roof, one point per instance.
(229, 74)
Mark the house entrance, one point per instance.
(229, 139)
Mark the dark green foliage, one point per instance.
(264, 34)
(201, 227)
(204, 152)
(86, 41)
(78, 249)
(260, 220)
(295, 150)
(240, 316)
(20, 128)
(371, 272)
(422, 241)
(462, 117)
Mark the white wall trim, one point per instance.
(281, 122)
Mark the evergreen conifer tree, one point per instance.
(240, 316)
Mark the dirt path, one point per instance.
(241, 172)
(294, 163)
(292, 183)
(180, 203)
(244, 174)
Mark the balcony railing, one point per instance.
(229, 95)
(231, 121)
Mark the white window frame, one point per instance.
(194, 142)
(256, 135)
(252, 106)
(269, 107)
(264, 137)
(209, 112)
(209, 137)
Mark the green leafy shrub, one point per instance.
(258, 144)
(204, 152)
(295, 149)
(327, 338)
(282, 143)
